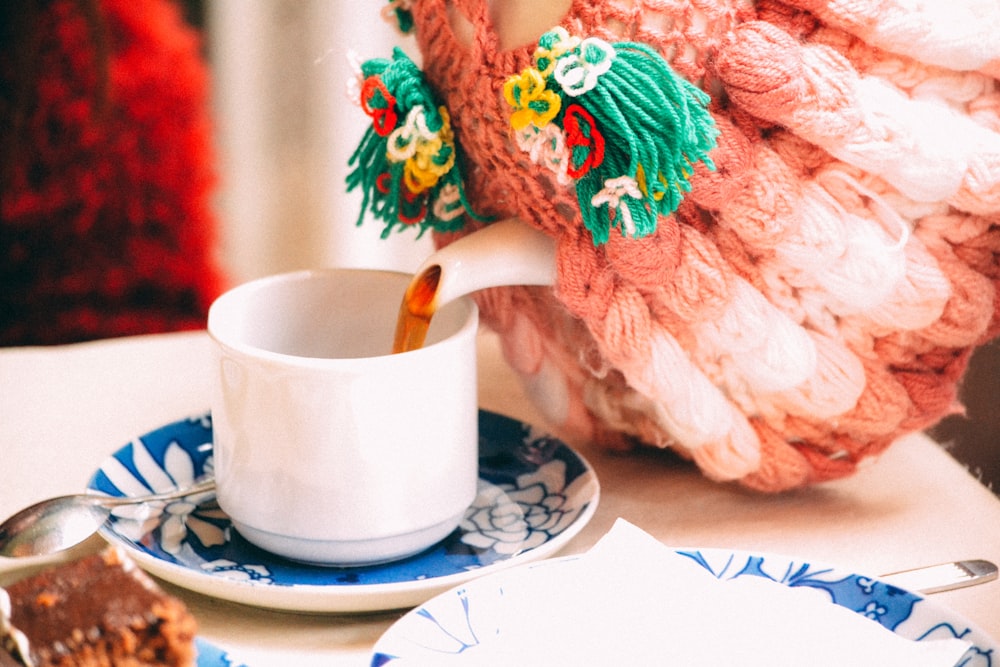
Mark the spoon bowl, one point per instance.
(59, 523)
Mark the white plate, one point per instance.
(535, 494)
(449, 628)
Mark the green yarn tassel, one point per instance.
(407, 163)
(633, 128)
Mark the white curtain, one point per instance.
(286, 128)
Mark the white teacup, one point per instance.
(329, 449)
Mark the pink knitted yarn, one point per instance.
(812, 299)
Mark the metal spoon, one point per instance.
(59, 523)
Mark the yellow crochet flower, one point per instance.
(432, 158)
(532, 103)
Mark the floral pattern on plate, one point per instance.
(534, 494)
(452, 624)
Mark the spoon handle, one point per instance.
(116, 501)
(944, 577)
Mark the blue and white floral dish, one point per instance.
(535, 494)
(212, 656)
(452, 626)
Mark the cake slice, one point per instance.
(99, 610)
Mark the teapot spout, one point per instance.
(508, 252)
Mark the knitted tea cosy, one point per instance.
(827, 265)
(105, 220)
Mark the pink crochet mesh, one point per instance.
(811, 300)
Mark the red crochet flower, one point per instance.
(584, 140)
(378, 103)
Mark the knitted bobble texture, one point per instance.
(818, 289)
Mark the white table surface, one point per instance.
(64, 409)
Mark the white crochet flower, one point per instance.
(404, 140)
(614, 190)
(579, 71)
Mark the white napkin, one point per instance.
(632, 600)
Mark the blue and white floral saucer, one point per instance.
(457, 626)
(535, 494)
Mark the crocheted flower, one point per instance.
(412, 207)
(532, 102)
(402, 143)
(448, 204)
(611, 196)
(578, 72)
(547, 147)
(433, 159)
(584, 140)
(379, 105)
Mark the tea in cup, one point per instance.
(328, 448)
